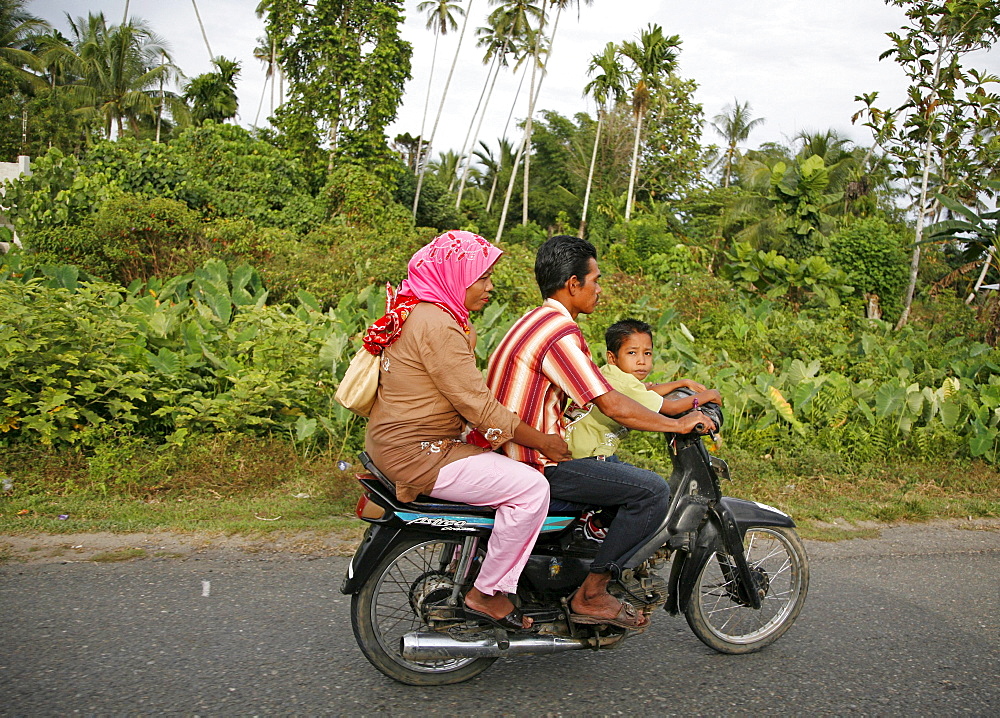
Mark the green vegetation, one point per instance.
(190, 292)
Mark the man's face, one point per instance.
(586, 296)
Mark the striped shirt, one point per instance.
(542, 363)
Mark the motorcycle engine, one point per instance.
(642, 587)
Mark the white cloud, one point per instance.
(799, 63)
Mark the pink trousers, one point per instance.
(521, 497)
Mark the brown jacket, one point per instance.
(429, 388)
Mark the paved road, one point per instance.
(908, 624)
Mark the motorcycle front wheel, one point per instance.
(417, 574)
(780, 570)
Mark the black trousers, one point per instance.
(642, 498)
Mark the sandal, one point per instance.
(513, 621)
(627, 617)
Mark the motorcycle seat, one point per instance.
(429, 504)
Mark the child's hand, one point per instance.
(693, 385)
(710, 396)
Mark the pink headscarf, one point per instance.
(441, 271)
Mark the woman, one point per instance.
(429, 389)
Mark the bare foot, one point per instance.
(592, 599)
(498, 606)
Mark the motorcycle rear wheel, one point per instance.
(388, 606)
(780, 568)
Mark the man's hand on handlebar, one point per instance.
(555, 448)
(694, 422)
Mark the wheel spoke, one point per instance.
(776, 566)
(395, 611)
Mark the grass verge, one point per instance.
(259, 487)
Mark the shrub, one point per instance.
(437, 205)
(528, 235)
(775, 276)
(234, 174)
(58, 192)
(872, 255)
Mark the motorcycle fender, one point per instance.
(748, 514)
(745, 514)
(683, 580)
(376, 543)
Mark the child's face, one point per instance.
(635, 356)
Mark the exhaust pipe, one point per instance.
(433, 646)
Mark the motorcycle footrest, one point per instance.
(681, 541)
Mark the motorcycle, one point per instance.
(738, 572)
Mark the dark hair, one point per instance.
(561, 258)
(617, 333)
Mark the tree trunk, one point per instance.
(493, 190)
(635, 167)
(922, 208)
(510, 116)
(444, 96)
(479, 126)
(590, 174)
(423, 122)
(271, 68)
(982, 274)
(202, 26)
(527, 122)
(729, 164)
(510, 190)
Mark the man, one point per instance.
(542, 363)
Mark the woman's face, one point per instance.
(478, 294)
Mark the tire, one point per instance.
(388, 606)
(779, 564)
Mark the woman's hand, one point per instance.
(554, 447)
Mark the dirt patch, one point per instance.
(299, 545)
(104, 546)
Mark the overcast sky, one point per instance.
(799, 63)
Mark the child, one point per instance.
(629, 361)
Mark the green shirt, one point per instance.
(591, 433)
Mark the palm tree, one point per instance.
(607, 86)
(654, 56)
(734, 125)
(440, 20)
(267, 53)
(120, 67)
(19, 31)
(445, 167)
(213, 94)
(495, 167)
(57, 58)
(514, 19)
(498, 46)
(559, 5)
(522, 147)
